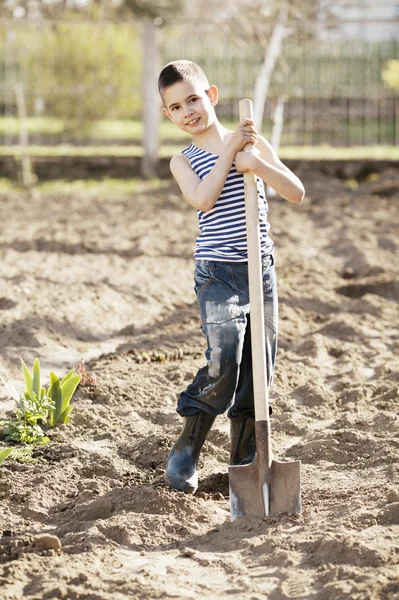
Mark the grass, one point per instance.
(106, 129)
(38, 125)
(173, 140)
(131, 130)
(101, 187)
(322, 152)
(70, 150)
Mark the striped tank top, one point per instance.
(223, 230)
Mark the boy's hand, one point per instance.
(246, 161)
(243, 134)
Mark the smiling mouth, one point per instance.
(193, 121)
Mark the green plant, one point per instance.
(60, 394)
(80, 71)
(86, 378)
(23, 455)
(31, 410)
(37, 406)
(22, 432)
(5, 453)
(390, 74)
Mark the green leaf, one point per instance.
(5, 453)
(64, 418)
(60, 394)
(68, 388)
(36, 378)
(56, 397)
(28, 378)
(68, 376)
(53, 378)
(23, 433)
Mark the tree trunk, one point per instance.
(151, 103)
(278, 123)
(23, 135)
(271, 55)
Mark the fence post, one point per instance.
(150, 101)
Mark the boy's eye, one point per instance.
(193, 99)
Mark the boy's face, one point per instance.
(190, 106)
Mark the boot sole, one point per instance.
(179, 485)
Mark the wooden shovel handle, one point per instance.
(255, 284)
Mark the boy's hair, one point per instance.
(180, 70)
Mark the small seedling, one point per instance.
(37, 406)
(31, 411)
(158, 356)
(4, 454)
(60, 394)
(24, 433)
(86, 378)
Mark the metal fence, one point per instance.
(82, 82)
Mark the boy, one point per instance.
(210, 175)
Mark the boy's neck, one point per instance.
(213, 139)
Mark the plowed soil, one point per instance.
(106, 275)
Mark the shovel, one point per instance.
(264, 487)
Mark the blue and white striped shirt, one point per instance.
(223, 230)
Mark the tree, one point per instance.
(267, 23)
(390, 75)
(151, 13)
(153, 9)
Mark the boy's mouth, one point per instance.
(193, 121)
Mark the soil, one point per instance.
(107, 276)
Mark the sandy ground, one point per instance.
(107, 275)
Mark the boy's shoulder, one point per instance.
(183, 157)
(179, 162)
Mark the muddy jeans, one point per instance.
(223, 297)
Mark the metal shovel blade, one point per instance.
(285, 488)
(264, 488)
(247, 494)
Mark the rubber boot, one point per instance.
(181, 470)
(242, 441)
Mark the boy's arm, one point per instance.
(269, 167)
(203, 193)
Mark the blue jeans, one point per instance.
(223, 297)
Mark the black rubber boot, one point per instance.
(181, 470)
(242, 441)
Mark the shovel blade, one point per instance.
(285, 488)
(247, 496)
(257, 492)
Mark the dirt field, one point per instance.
(106, 274)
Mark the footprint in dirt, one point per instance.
(7, 303)
(296, 587)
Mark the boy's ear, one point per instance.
(213, 94)
(166, 113)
